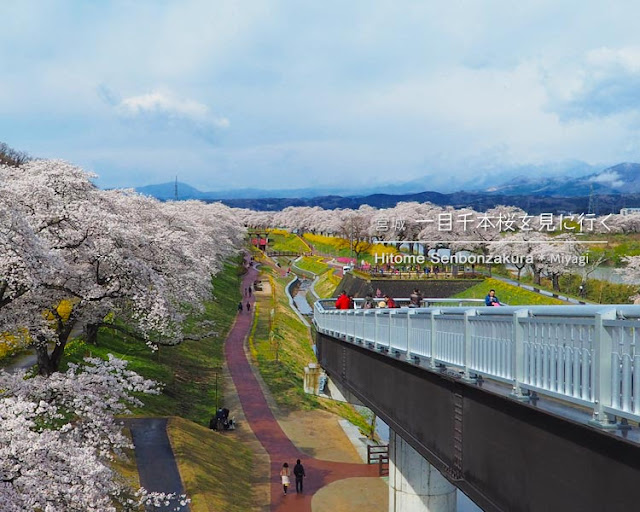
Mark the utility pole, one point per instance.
(216, 391)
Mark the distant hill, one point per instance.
(602, 204)
(611, 189)
(167, 191)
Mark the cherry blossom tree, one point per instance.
(401, 222)
(58, 438)
(631, 272)
(117, 252)
(554, 258)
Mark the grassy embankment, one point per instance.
(313, 264)
(507, 293)
(340, 248)
(597, 290)
(282, 346)
(619, 245)
(207, 460)
(326, 285)
(327, 281)
(283, 241)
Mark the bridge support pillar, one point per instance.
(414, 484)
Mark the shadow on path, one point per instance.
(155, 459)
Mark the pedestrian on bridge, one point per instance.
(298, 471)
(491, 299)
(342, 302)
(415, 299)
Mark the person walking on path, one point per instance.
(298, 471)
(267, 430)
(240, 307)
(248, 306)
(284, 475)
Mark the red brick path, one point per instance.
(267, 430)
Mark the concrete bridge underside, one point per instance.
(505, 455)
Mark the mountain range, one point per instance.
(605, 191)
(619, 179)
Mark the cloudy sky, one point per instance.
(288, 94)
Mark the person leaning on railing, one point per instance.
(342, 302)
(415, 299)
(491, 299)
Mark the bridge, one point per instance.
(522, 408)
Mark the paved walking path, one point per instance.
(268, 431)
(155, 459)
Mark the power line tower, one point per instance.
(175, 189)
(591, 206)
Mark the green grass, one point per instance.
(331, 247)
(327, 284)
(281, 358)
(187, 370)
(598, 291)
(284, 374)
(313, 264)
(341, 248)
(512, 295)
(216, 469)
(280, 240)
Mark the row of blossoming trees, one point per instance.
(105, 254)
(548, 244)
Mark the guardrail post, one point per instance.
(432, 338)
(467, 345)
(517, 354)
(601, 371)
(409, 356)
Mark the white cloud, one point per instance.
(610, 178)
(162, 104)
(386, 90)
(627, 57)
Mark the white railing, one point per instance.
(587, 355)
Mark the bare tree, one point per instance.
(11, 157)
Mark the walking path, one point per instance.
(266, 428)
(156, 462)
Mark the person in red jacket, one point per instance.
(390, 302)
(342, 302)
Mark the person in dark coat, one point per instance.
(298, 471)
